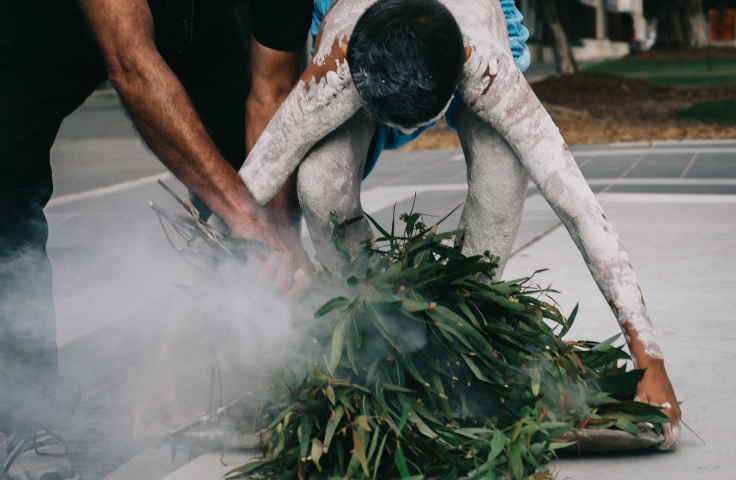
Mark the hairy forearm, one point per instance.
(161, 110)
(163, 114)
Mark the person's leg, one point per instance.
(216, 75)
(497, 184)
(329, 180)
(34, 98)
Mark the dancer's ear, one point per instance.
(344, 49)
(468, 51)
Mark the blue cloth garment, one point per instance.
(391, 138)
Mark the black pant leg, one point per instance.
(35, 95)
(216, 76)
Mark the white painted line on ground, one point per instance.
(378, 198)
(686, 182)
(99, 192)
(652, 151)
(684, 198)
(661, 143)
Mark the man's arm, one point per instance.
(498, 93)
(161, 110)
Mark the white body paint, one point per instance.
(506, 135)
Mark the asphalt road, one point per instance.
(115, 276)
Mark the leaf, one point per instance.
(330, 305)
(474, 368)
(338, 341)
(332, 424)
(536, 381)
(627, 426)
(330, 394)
(317, 448)
(414, 306)
(319, 375)
(361, 447)
(396, 388)
(515, 463)
(497, 445)
(400, 461)
(606, 343)
(378, 226)
(404, 416)
(620, 382)
(247, 468)
(570, 321)
(558, 445)
(377, 463)
(304, 433)
(362, 421)
(279, 431)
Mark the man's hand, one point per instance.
(286, 266)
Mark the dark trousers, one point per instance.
(49, 64)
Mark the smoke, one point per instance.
(152, 341)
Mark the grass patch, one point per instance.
(722, 112)
(675, 72)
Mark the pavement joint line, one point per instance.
(689, 165)
(639, 198)
(625, 172)
(116, 188)
(535, 239)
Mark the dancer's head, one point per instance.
(406, 57)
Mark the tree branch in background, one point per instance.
(681, 23)
(547, 9)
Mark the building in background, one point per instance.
(597, 29)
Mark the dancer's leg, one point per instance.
(497, 184)
(329, 180)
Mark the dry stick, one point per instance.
(205, 418)
(160, 213)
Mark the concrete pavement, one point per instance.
(673, 203)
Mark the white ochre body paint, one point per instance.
(507, 138)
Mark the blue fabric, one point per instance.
(390, 138)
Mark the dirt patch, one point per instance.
(593, 107)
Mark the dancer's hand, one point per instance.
(655, 388)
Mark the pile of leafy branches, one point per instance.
(417, 366)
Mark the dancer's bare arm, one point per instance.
(496, 90)
(323, 99)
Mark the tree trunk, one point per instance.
(681, 23)
(563, 53)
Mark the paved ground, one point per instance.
(673, 203)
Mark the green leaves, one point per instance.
(420, 367)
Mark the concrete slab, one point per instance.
(681, 247)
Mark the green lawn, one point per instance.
(722, 112)
(683, 73)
